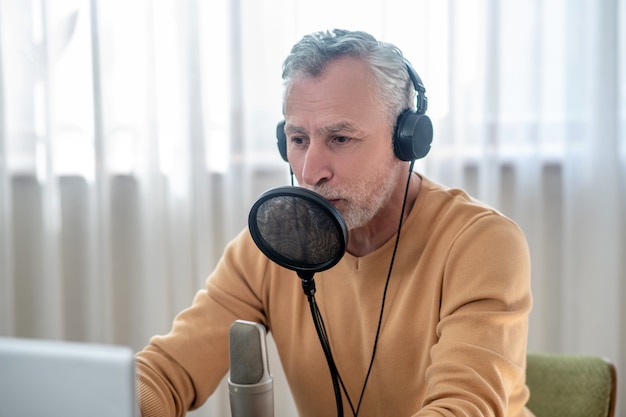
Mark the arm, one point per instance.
(478, 362)
(179, 371)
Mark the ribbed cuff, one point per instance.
(149, 401)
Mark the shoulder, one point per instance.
(437, 203)
(242, 253)
(443, 199)
(452, 218)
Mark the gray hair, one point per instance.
(311, 55)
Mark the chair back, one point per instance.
(570, 385)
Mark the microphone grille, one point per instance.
(246, 353)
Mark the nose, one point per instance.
(316, 169)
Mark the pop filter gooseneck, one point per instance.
(300, 230)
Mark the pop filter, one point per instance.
(298, 229)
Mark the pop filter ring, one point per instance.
(325, 207)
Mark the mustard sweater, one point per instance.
(454, 332)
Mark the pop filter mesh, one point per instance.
(300, 230)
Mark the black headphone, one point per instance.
(413, 133)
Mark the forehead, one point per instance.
(345, 87)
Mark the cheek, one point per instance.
(296, 160)
(381, 155)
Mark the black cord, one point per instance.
(309, 289)
(382, 307)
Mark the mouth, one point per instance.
(334, 200)
(338, 203)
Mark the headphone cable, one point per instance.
(382, 307)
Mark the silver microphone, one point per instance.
(250, 384)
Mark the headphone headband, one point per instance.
(418, 85)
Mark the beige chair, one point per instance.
(570, 385)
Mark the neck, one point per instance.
(384, 225)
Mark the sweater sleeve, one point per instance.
(178, 371)
(478, 363)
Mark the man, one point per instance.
(443, 301)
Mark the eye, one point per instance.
(297, 140)
(341, 139)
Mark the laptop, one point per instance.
(40, 377)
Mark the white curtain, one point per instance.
(135, 135)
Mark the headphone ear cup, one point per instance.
(281, 140)
(413, 136)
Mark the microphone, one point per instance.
(250, 385)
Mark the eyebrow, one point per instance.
(337, 127)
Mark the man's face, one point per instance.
(339, 140)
